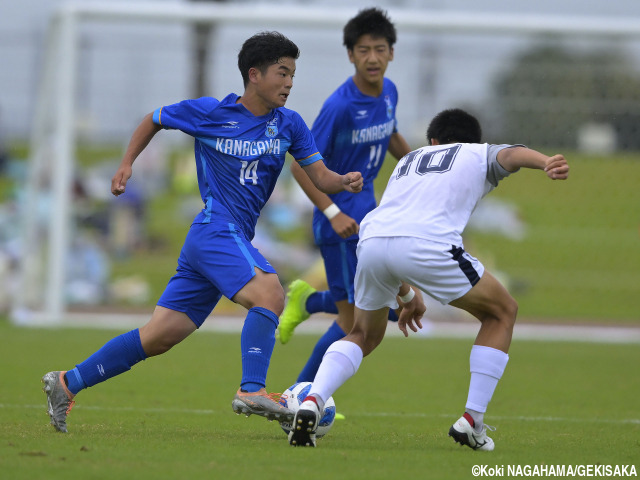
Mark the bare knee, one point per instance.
(265, 291)
(510, 312)
(371, 343)
(157, 347)
(345, 315)
(279, 301)
(504, 313)
(368, 329)
(272, 299)
(156, 343)
(165, 329)
(367, 341)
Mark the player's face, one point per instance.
(274, 85)
(371, 56)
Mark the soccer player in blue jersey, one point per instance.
(354, 129)
(240, 146)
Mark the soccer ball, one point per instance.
(295, 395)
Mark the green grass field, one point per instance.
(170, 417)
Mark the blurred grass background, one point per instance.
(578, 260)
(580, 257)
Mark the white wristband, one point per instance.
(409, 296)
(331, 211)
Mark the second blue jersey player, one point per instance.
(240, 145)
(354, 130)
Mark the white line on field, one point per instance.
(524, 418)
(450, 324)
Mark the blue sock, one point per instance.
(309, 371)
(118, 355)
(256, 343)
(75, 383)
(321, 302)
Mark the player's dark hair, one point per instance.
(263, 50)
(454, 126)
(370, 21)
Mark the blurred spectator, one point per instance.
(88, 271)
(126, 220)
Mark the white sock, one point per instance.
(487, 366)
(340, 362)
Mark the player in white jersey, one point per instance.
(412, 242)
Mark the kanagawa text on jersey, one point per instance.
(230, 146)
(373, 133)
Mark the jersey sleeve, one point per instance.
(303, 147)
(495, 171)
(187, 115)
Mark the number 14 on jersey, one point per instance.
(249, 172)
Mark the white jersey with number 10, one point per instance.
(433, 192)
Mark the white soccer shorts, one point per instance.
(445, 272)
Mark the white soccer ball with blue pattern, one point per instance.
(293, 397)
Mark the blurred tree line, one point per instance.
(550, 92)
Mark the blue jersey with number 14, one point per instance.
(239, 156)
(352, 132)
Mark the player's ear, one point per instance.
(350, 54)
(390, 53)
(254, 75)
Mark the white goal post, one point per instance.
(53, 139)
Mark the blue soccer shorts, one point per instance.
(340, 263)
(216, 259)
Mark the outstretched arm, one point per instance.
(511, 159)
(328, 181)
(141, 137)
(343, 224)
